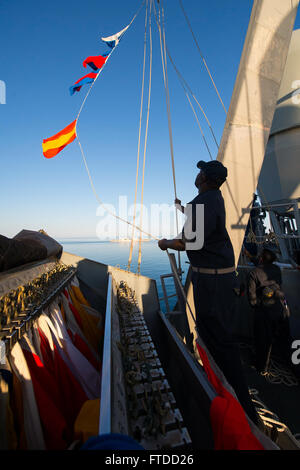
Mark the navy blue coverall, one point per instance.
(214, 296)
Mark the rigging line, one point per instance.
(164, 69)
(93, 83)
(82, 152)
(201, 55)
(226, 182)
(168, 103)
(186, 86)
(103, 205)
(184, 293)
(139, 138)
(167, 100)
(146, 138)
(199, 125)
(170, 127)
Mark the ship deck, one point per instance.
(280, 398)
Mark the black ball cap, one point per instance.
(214, 170)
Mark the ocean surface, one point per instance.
(154, 261)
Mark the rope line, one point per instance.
(82, 152)
(162, 41)
(139, 138)
(201, 55)
(102, 203)
(170, 126)
(199, 125)
(146, 138)
(186, 88)
(183, 293)
(219, 96)
(168, 104)
(93, 83)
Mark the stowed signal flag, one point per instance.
(59, 141)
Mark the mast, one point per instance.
(252, 108)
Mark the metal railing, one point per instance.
(166, 296)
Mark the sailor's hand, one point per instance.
(163, 244)
(177, 201)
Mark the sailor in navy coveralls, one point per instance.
(214, 278)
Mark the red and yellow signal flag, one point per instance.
(59, 141)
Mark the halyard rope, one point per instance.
(201, 55)
(187, 88)
(199, 125)
(83, 155)
(93, 83)
(145, 141)
(139, 138)
(106, 208)
(162, 40)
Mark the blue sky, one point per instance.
(43, 47)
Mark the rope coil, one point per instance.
(280, 375)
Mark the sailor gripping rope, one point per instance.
(214, 278)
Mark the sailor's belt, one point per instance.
(214, 270)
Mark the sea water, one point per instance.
(154, 261)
